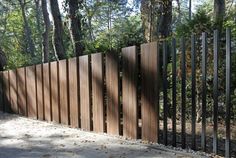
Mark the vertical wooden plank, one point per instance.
(165, 93)
(46, 92)
(193, 90)
(150, 91)
(63, 92)
(6, 90)
(73, 92)
(13, 91)
(21, 91)
(54, 91)
(204, 90)
(228, 93)
(183, 93)
(129, 92)
(113, 103)
(98, 92)
(215, 92)
(31, 92)
(1, 93)
(39, 85)
(85, 103)
(174, 91)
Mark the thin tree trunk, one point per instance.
(45, 42)
(57, 30)
(3, 59)
(166, 15)
(219, 13)
(38, 15)
(27, 30)
(75, 26)
(190, 10)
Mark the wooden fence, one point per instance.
(117, 93)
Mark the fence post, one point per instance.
(85, 100)
(165, 93)
(129, 92)
(193, 91)
(150, 78)
(174, 91)
(97, 65)
(215, 91)
(113, 100)
(228, 93)
(204, 89)
(183, 96)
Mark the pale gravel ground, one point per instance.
(25, 138)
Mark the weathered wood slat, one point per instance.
(73, 92)
(46, 93)
(21, 91)
(6, 89)
(85, 102)
(98, 92)
(54, 91)
(39, 85)
(63, 92)
(13, 91)
(150, 91)
(31, 92)
(112, 87)
(129, 92)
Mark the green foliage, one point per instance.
(125, 32)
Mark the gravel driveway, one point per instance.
(25, 138)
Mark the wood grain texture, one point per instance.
(113, 104)
(63, 92)
(73, 92)
(1, 93)
(6, 89)
(31, 92)
(21, 91)
(98, 92)
(46, 92)
(13, 91)
(39, 85)
(54, 91)
(150, 91)
(85, 102)
(129, 92)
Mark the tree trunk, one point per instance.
(219, 13)
(3, 60)
(75, 26)
(156, 18)
(45, 43)
(38, 15)
(57, 30)
(165, 19)
(27, 30)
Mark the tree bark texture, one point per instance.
(75, 25)
(46, 32)
(156, 18)
(27, 29)
(58, 44)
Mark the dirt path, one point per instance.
(24, 138)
